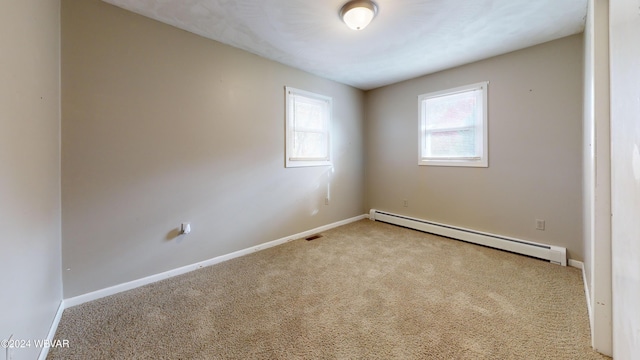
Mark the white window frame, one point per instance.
(290, 160)
(482, 136)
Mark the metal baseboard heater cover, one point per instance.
(554, 254)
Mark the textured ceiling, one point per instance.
(408, 38)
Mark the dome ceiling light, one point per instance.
(357, 14)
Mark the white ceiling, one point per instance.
(408, 38)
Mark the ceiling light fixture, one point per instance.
(357, 14)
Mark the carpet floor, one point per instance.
(366, 290)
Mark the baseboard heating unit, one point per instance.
(554, 254)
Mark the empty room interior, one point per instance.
(215, 179)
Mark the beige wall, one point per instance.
(535, 134)
(161, 126)
(29, 170)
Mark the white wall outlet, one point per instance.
(539, 224)
(405, 203)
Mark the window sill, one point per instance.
(458, 163)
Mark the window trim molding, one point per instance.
(291, 162)
(483, 159)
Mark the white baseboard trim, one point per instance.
(80, 299)
(587, 293)
(52, 330)
(576, 264)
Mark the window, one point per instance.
(453, 127)
(308, 121)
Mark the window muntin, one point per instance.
(308, 123)
(453, 127)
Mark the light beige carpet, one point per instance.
(367, 290)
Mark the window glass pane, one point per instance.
(453, 127)
(308, 123)
(452, 110)
(450, 144)
(308, 114)
(310, 145)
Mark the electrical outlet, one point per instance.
(405, 203)
(539, 224)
